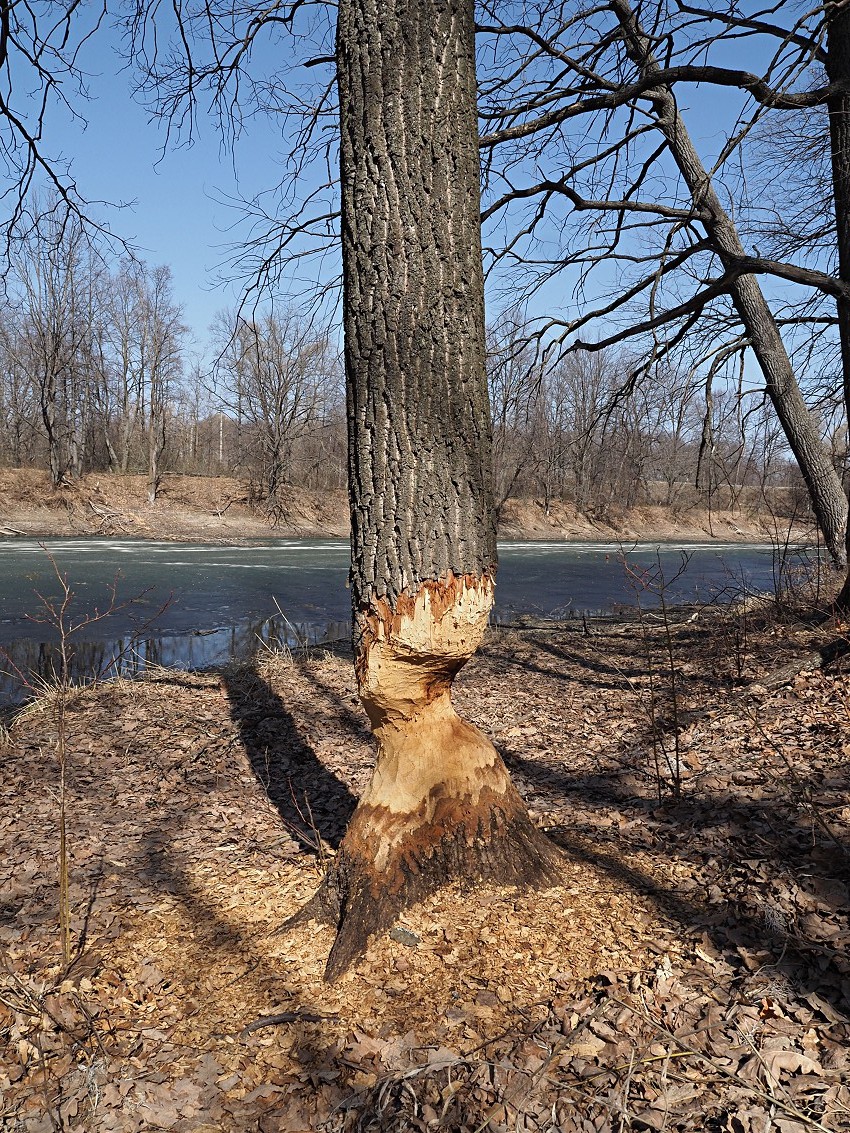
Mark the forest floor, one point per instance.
(691, 972)
(216, 509)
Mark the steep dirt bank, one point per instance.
(217, 510)
(527, 519)
(190, 508)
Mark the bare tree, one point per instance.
(273, 373)
(440, 803)
(599, 65)
(511, 382)
(160, 359)
(50, 269)
(586, 386)
(124, 395)
(19, 415)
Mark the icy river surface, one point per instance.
(195, 605)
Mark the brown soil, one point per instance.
(689, 973)
(527, 519)
(189, 508)
(216, 510)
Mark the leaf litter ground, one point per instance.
(690, 973)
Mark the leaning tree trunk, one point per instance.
(48, 401)
(838, 70)
(824, 487)
(440, 804)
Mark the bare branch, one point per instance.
(645, 87)
(738, 20)
(582, 204)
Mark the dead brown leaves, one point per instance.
(691, 972)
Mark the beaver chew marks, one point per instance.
(440, 805)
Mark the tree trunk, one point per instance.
(48, 398)
(440, 804)
(838, 71)
(125, 430)
(111, 454)
(156, 443)
(824, 487)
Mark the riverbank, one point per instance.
(690, 972)
(217, 510)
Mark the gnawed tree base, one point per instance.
(486, 843)
(441, 806)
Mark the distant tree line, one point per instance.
(91, 358)
(571, 431)
(94, 378)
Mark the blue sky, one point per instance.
(175, 214)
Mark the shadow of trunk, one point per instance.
(309, 798)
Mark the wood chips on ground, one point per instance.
(690, 973)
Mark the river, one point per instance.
(196, 605)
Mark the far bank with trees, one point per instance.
(100, 385)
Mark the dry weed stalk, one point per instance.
(272, 660)
(39, 1006)
(308, 830)
(323, 851)
(652, 580)
(57, 613)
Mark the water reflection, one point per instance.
(195, 606)
(27, 664)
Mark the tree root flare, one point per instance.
(362, 901)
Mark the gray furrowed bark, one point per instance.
(838, 70)
(419, 424)
(440, 803)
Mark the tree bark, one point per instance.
(48, 398)
(156, 447)
(829, 502)
(838, 71)
(440, 804)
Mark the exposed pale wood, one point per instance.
(440, 804)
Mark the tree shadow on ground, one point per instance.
(355, 724)
(574, 648)
(745, 846)
(617, 676)
(790, 843)
(309, 798)
(765, 961)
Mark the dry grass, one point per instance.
(197, 508)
